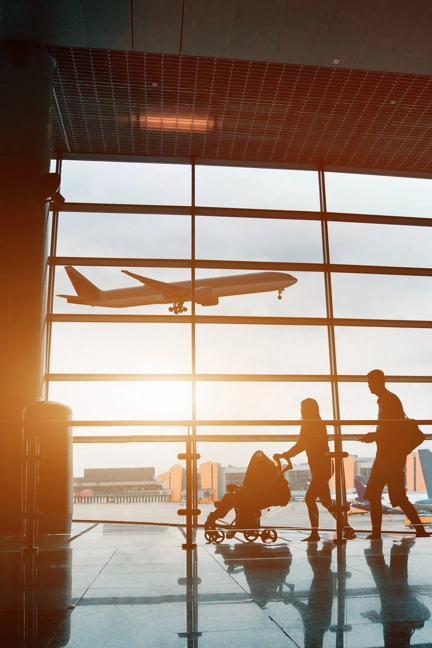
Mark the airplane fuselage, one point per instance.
(206, 290)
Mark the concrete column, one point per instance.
(26, 81)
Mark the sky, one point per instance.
(159, 348)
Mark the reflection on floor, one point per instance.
(133, 586)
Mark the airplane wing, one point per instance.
(168, 290)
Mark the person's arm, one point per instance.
(293, 451)
(370, 437)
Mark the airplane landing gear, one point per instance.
(177, 308)
(280, 294)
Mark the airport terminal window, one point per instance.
(126, 183)
(221, 361)
(124, 235)
(261, 349)
(404, 351)
(254, 239)
(390, 297)
(381, 245)
(259, 400)
(375, 194)
(255, 188)
(94, 347)
(138, 400)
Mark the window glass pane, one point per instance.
(126, 182)
(374, 194)
(108, 279)
(262, 349)
(125, 401)
(160, 456)
(305, 298)
(382, 296)
(380, 244)
(124, 235)
(218, 186)
(357, 402)
(254, 239)
(395, 351)
(120, 348)
(253, 400)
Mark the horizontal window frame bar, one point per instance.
(204, 438)
(248, 164)
(120, 262)
(187, 423)
(239, 320)
(241, 378)
(236, 212)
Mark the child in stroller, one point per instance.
(264, 485)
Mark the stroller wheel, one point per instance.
(269, 535)
(251, 535)
(214, 536)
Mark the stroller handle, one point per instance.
(287, 467)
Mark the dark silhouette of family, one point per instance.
(388, 467)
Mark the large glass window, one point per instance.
(241, 359)
(124, 235)
(372, 244)
(375, 194)
(126, 183)
(218, 186)
(253, 239)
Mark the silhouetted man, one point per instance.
(389, 465)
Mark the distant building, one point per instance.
(140, 484)
(174, 482)
(113, 485)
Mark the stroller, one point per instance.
(264, 485)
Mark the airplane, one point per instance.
(207, 291)
(425, 504)
(361, 504)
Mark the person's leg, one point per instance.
(312, 507)
(377, 481)
(398, 497)
(376, 517)
(409, 509)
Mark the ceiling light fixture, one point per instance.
(176, 122)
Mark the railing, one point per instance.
(190, 456)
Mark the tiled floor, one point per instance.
(124, 587)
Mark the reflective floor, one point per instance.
(133, 586)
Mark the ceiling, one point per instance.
(136, 104)
(340, 83)
(382, 35)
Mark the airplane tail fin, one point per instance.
(84, 288)
(360, 487)
(426, 464)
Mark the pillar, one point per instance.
(26, 81)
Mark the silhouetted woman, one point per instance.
(313, 439)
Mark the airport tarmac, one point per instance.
(294, 515)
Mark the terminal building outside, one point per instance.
(133, 485)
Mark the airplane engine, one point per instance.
(205, 297)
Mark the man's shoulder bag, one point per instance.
(412, 435)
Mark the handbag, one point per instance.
(412, 435)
